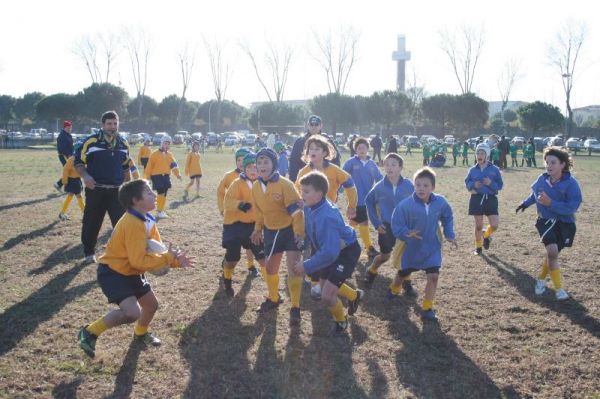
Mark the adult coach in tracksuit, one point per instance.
(313, 126)
(103, 161)
(64, 146)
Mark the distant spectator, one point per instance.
(377, 144)
(392, 145)
(64, 146)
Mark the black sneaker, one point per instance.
(372, 252)
(87, 341)
(339, 327)
(353, 305)
(295, 317)
(228, 288)
(369, 278)
(147, 339)
(409, 290)
(268, 305)
(478, 251)
(253, 272)
(486, 243)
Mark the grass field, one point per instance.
(495, 338)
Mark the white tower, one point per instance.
(401, 56)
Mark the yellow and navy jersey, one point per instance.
(277, 205)
(135, 174)
(126, 251)
(192, 164)
(69, 170)
(224, 185)
(337, 177)
(145, 152)
(106, 158)
(239, 191)
(161, 163)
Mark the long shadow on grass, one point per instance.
(429, 363)
(215, 347)
(21, 319)
(67, 390)
(27, 236)
(126, 376)
(29, 202)
(524, 283)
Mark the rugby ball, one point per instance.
(157, 247)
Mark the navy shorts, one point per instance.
(387, 240)
(480, 204)
(74, 186)
(236, 236)
(556, 232)
(118, 287)
(361, 214)
(343, 267)
(277, 241)
(161, 183)
(195, 177)
(409, 270)
(144, 162)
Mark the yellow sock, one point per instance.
(66, 203)
(337, 311)
(479, 243)
(347, 292)
(161, 200)
(263, 271)
(97, 327)
(363, 231)
(295, 288)
(140, 330)
(227, 273)
(81, 203)
(488, 232)
(427, 304)
(556, 280)
(395, 288)
(273, 286)
(545, 270)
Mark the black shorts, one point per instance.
(409, 270)
(236, 236)
(117, 287)
(387, 240)
(556, 232)
(480, 204)
(144, 162)
(161, 183)
(343, 267)
(361, 214)
(195, 177)
(73, 186)
(277, 241)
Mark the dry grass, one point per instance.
(495, 338)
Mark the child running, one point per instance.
(381, 201)
(144, 153)
(121, 269)
(365, 173)
(193, 169)
(280, 225)
(71, 181)
(160, 166)
(416, 222)
(335, 248)
(226, 181)
(483, 181)
(465, 153)
(238, 222)
(557, 196)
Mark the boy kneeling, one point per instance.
(335, 249)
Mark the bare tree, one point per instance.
(463, 48)
(506, 82)
(415, 93)
(110, 48)
(336, 56)
(86, 49)
(563, 54)
(277, 60)
(138, 45)
(186, 57)
(221, 75)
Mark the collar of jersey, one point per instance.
(274, 177)
(318, 204)
(140, 216)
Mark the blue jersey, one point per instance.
(383, 198)
(414, 214)
(283, 163)
(328, 234)
(365, 174)
(565, 194)
(477, 174)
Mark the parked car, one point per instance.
(518, 141)
(340, 139)
(593, 144)
(197, 136)
(231, 140)
(557, 141)
(425, 138)
(158, 137)
(574, 144)
(250, 139)
(449, 139)
(538, 144)
(211, 138)
(136, 138)
(178, 139)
